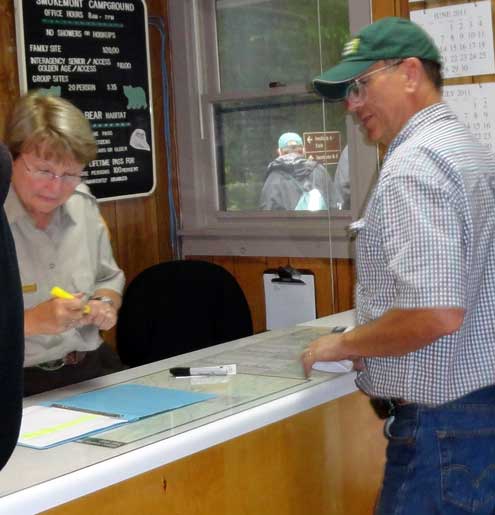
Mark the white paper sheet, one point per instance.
(44, 426)
(474, 104)
(288, 304)
(464, 35)
(337, 367)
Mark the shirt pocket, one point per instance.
(369, 249)
(83, 281)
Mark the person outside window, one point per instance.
(61, 240)
(296, 183)
(425, 290)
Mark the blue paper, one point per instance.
(131, 401)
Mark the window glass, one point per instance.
(252, 176)
(266, 45)
(278, 41)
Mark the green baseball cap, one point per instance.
(289, 139)
(388, 38)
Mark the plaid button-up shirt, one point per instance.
(427, 240)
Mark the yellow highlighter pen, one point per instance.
(58, 292)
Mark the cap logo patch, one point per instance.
(351, 47)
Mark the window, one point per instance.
(242, 71)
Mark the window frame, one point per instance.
(204, 229)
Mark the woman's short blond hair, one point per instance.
(53, 123)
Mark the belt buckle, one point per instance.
(51, 366)
(397, 403)
(73, 358)
(386, 427)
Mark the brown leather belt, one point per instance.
(73, 358)
(399, 402)
(384, 407)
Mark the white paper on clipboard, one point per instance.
(289, 302)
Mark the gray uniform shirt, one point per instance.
(73, 252)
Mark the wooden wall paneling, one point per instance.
(143, 223)
(9, 78)
(249, 274)
(383, 8)
(344, 274)
(443, 3)
(327, 460)
(226, 262)
(403, 9)
(158, 8)
(137, 234)
(107, 210)
(321, 269)
(417, 6)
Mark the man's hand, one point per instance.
(54, 316)
(326, 348)
(396, 333)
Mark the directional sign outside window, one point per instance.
(324, 147)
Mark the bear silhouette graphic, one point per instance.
(136, 97)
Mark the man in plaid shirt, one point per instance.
(425, 292)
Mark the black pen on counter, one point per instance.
(220, 370)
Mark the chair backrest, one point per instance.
(177, 307)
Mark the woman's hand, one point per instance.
(54, 316)
(102, 314)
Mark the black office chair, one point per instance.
(177, 307)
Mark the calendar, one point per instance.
(474, 104)
(464, 35)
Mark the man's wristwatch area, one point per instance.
(103, 298)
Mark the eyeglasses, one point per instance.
(356, 90)
(47, 176)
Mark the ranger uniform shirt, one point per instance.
(73, 252)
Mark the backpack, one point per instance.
(311, 201)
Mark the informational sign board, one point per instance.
(95, 54)
(323, 147)
(464, 36)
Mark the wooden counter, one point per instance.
(327, 460)
(316, 448)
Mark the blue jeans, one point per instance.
(441, 460)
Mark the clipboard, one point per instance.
(289, 297)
